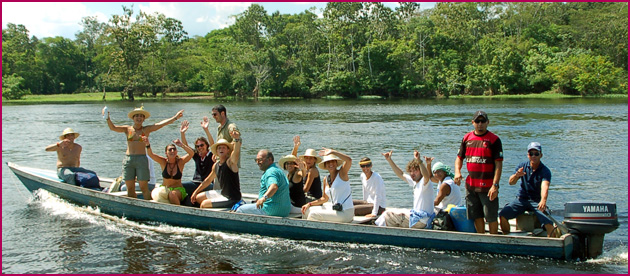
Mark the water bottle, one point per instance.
(104, 112)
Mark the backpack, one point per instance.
(87, 180)
(443, 221)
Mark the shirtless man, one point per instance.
(136, 162)
(68, 156)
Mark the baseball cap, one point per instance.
(534, 145)
(480, 113)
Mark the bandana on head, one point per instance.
(440, 166)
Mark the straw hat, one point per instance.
(139, 110)
(286, 158)
(214, 146)
(330, 157)
(312, 153)
(68, 131)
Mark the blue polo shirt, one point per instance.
(280, 203)
(531, 182)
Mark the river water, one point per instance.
(585, 144)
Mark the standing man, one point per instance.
(532, 196)
(483, 152)
(219, 113)
(273, 198)
(68, 156)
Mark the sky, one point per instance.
(50, 19)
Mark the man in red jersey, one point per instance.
(483, 152)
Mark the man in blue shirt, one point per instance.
(273, 198)
(532, 196)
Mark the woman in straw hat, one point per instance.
(227, 188)
(295, 170)
(68, 156)
(312, 181)
(336, 203)
(136, 163)
(172, 168)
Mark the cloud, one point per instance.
(45, 19)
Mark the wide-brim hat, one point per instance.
(286, 158)
(214, 146)
(330, 157)
(139, 110)
(312, 153)
(68, 131)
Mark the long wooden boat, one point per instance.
(291, 228)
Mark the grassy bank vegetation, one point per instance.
(187, 96)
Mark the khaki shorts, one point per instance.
(136, 165)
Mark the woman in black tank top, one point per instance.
(172, 168)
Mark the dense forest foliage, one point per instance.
(355, 49)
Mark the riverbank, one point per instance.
(186, 96)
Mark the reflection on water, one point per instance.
(580, 138)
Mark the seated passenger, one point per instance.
(203, 156)
(448, 191)
(172, 168)
(273, 197)
(419, 180)
(336, 203)
(312, 181)
(227, 188)
(68, 157)
(373, 203)
(532, 196)
(294, 175)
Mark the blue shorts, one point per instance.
(519, 206)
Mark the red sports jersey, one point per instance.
(480, 153)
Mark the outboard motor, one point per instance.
(588, 221)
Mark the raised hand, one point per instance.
(388, 155)
(296, 140)
(184, 126)
(235, 134)
(205, 122)
(416, 154)
(325, 151)
(428, 159)
(178, 143)
(179, 114)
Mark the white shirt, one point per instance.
(423, 195)
(374, 191)
(340, 192)
(455, 197)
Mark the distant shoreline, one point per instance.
(207, 96)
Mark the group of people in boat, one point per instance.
(302, 190)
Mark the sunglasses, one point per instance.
(480, 121)
(200, 145)
(366, 166)
(215, 114)
(172, 149)
(534, 153)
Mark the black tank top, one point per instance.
(296, 192)
(228, 182)
(178, 174)
(316, 187)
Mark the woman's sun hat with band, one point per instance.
(68, 131)
(312, 153)
(139, 110)
(285, 159)
(330, 157)
(214, 146)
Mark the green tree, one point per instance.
(12, 87)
